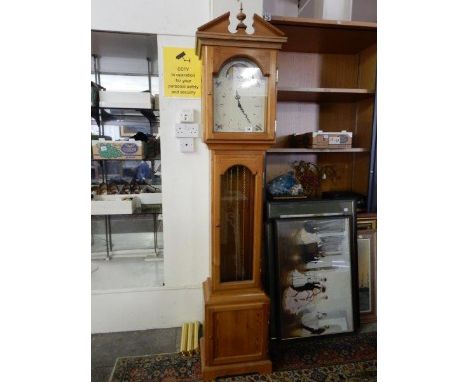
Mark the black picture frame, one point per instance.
(278, 330)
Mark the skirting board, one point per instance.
(143, 309)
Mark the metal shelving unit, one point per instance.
(101, 116)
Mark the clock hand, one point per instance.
(237, 97)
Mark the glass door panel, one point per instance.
(236, 231)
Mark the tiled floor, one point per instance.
(106, 348)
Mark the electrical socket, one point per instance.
(186, 116)
(187, 145)
(186, 130)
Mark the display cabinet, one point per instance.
(327, 82)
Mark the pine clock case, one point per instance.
(236, 312)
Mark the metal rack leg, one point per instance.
(110, 235)
(107, 237)
(155, 231)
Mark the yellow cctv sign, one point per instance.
(182, 73)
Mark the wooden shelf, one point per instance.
(325, 36)
(323, 94)
(312, 151)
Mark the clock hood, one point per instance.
(216, 32)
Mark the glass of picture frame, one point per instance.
(315, 276)
(367, 270)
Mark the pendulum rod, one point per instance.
(244, 197)
(236, 232)
(230, 210)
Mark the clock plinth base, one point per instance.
(210, 373)
(235, 332)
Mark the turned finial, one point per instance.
(241, 17)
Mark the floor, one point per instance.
(107, 347)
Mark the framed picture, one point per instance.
(315, 288)
(367, 270)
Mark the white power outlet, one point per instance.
(186, 130)
(187, 145)
(186, 116)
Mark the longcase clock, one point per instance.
(238, 110)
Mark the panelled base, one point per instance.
(235, 338)
(210, 373)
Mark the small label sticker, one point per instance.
(345, 209)
(103, 148)
(334, 140)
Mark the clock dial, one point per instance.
(240, 93)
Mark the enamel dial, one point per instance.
(240, 95)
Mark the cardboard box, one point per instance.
(120, 150)
(322, 140)
(332, 140)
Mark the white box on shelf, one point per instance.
(130, 100)
(114, 205)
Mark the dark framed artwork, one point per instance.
(367, 270)
(315, 276)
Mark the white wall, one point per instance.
(281, 7)
(179, 17)
(185, 176)
(185, 180)
(337, 9)
(145, 309)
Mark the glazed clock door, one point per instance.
(237, 216)
(240, 98)
(240, 90)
